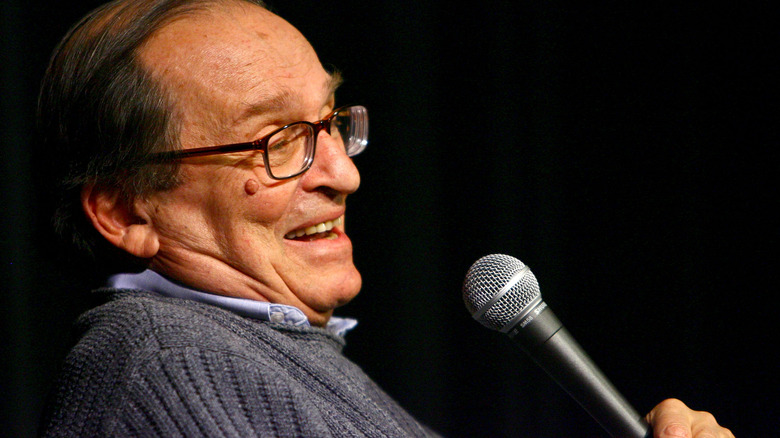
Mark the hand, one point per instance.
(672, 419)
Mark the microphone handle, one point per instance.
(553, 348)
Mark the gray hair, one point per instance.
(101, 113)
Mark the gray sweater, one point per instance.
(146, 365)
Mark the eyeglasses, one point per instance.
(289, 150)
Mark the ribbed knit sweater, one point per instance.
(146, 365)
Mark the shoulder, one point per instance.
(148, 365)
(144, 361)
(136, 324)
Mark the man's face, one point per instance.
(235, 75)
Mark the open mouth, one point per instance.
(322, 230)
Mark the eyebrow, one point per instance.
(334, 82)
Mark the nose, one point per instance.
(331, 167)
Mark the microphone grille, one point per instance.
(485, 280)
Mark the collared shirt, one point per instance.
(153, 282)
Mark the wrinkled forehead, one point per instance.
(234, 52)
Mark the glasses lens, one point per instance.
(350, 125)
(289, 150)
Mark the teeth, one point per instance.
(314, 229)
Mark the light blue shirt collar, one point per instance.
(151, 281)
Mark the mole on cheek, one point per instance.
(251, 187)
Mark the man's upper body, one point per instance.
(132, 86)
(236, 73)
(148, 364)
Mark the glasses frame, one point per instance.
(261, 144)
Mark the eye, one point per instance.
(280, 152)
(279, 147)
(288, 146)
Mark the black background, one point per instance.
(626, 152)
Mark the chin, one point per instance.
(334, 298)
(348, 287)
(338, 291)
(353, 287)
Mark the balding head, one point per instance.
(103, 112)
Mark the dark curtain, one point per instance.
(628, 153)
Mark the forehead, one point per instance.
(233, 58)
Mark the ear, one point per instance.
(128, 227)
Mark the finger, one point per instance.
(673, 419)
(670, 419)
(704, 425)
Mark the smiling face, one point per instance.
(236, 74)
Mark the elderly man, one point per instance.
(209, 164)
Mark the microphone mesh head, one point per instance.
(485, 279)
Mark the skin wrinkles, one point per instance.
(222, 229)
(219, 231)
(268, 108)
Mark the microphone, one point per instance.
(503, 294)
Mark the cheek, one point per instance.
(265, 205)
(233, 204)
